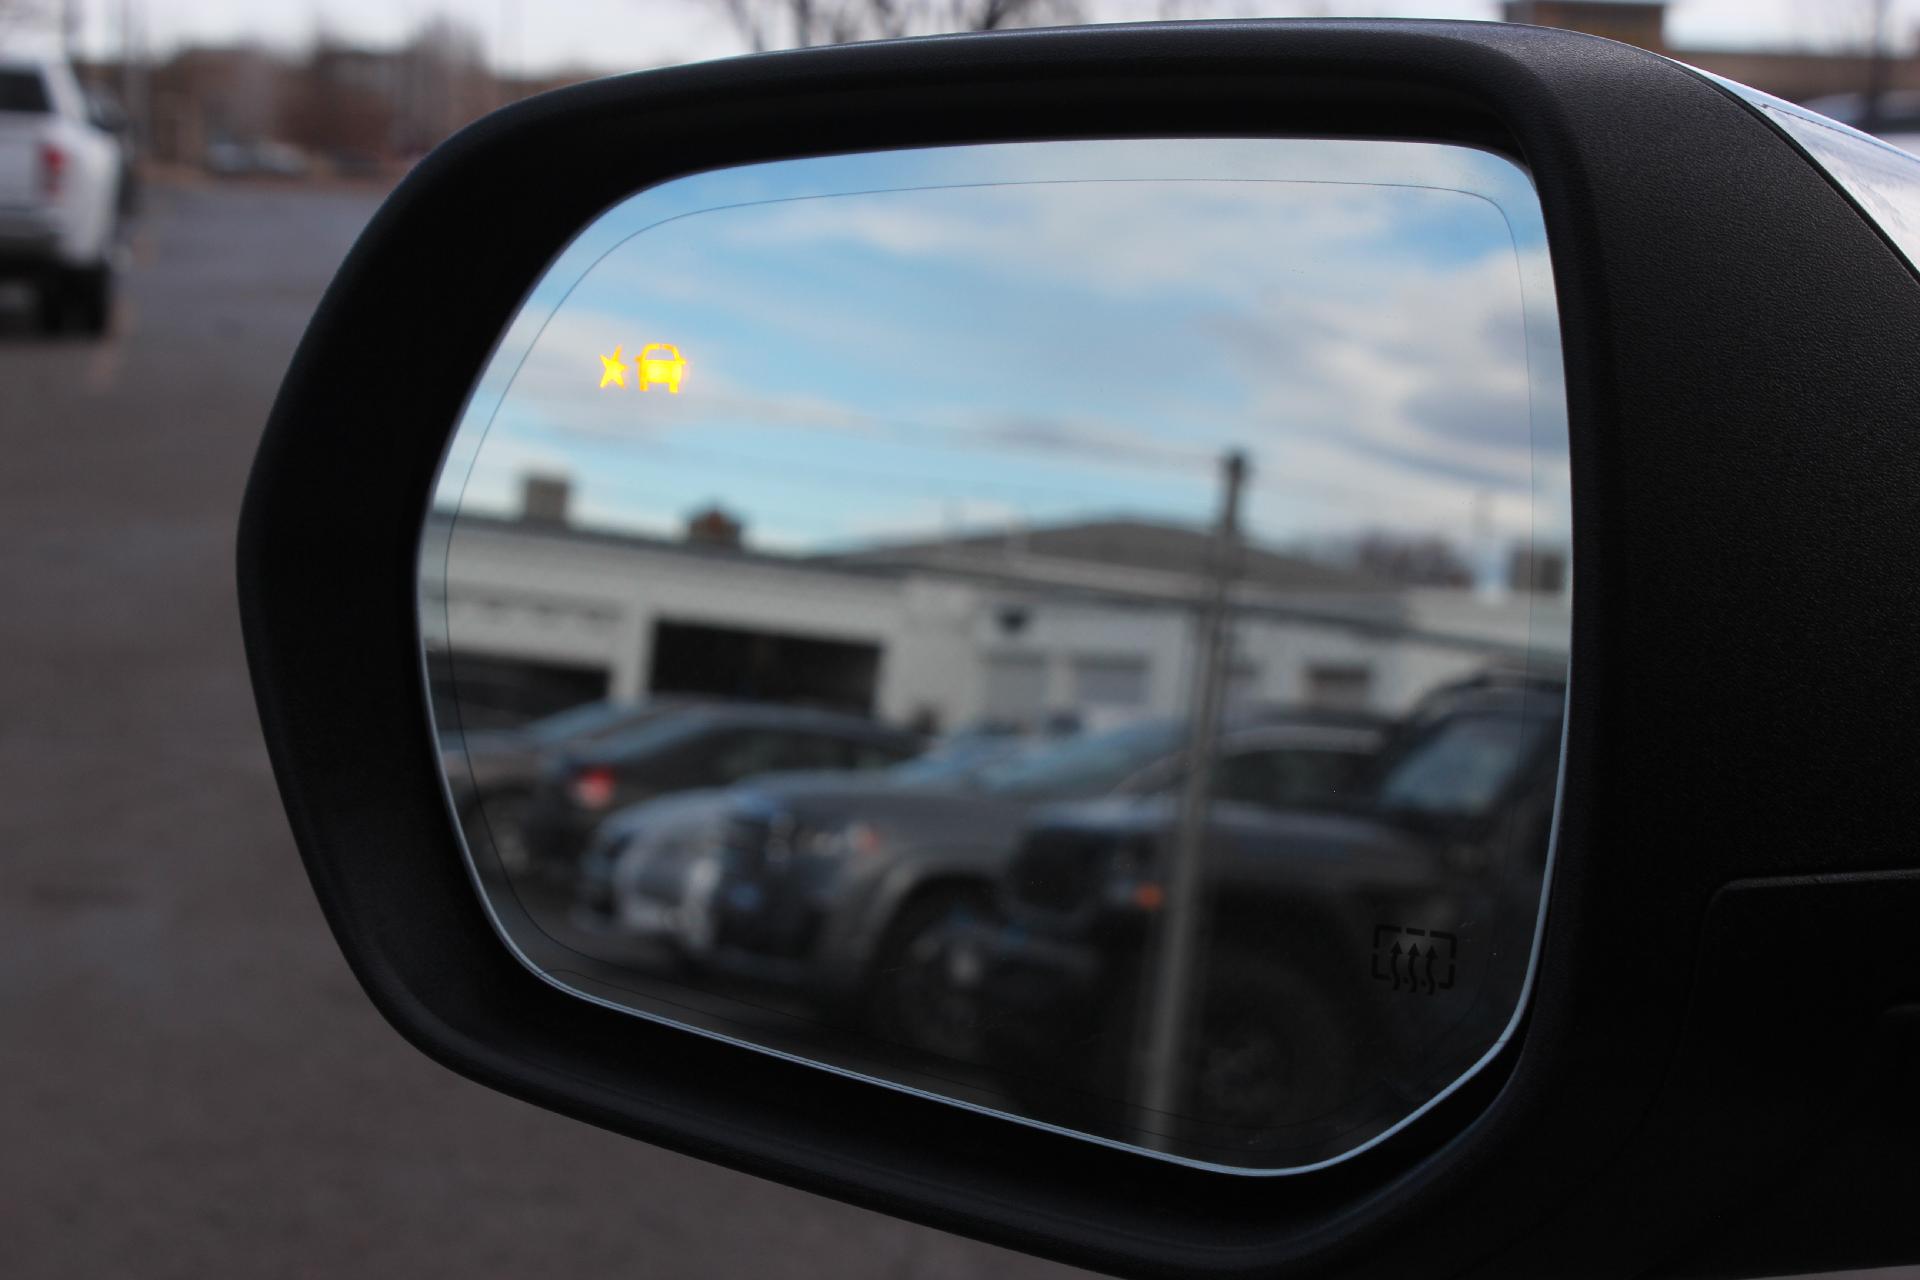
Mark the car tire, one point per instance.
(49, 305)
(76, 300)
(495, 822)
(914, 997)
(90, 299)
(1274, 1051)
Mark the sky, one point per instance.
(905, 345)
(611, 35)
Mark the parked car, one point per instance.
(651, 869)
(1293, 897)
(492, 774)
(1894, 117)
(60, 179)
(830, 886)
(698, 747)
(260, 158)
(108, 115)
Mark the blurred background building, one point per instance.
(1866, 63)
(1009, 628)
(337, 101)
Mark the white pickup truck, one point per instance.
(59, 194)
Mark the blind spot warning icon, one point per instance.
(661, 362)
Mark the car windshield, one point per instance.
(579, 722)
(1460, 769)
(23, 92)
(1087, 766)
(653, 737)
(957, 765)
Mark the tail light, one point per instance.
(53, 169)
(855, 839)
(593, 788)
(1133, 875)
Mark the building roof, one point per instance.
(1120, 544)
(1117, 561)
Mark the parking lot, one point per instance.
(193, 1084)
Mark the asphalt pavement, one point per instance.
(191, 1083)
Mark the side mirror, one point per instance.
(105, 112)
(1501, 422)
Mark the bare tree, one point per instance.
(783, 24)
(37, 16)
(1408, 558)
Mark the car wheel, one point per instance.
(49, 304)
(924, 990)
(1273, 1050)
(90, 298)
(78, 300)
(497, 820)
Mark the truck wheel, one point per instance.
(920, 995)
(1273, 1049)
(90, 299)
(497, 821)
(78, 299)
(49, 304)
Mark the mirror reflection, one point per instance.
(1078, 629)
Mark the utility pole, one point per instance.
(131, 92)
(508, 55)
(1173, 964)
(1873, 117)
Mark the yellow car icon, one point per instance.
(661, 362)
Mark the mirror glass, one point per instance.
(1077, 629)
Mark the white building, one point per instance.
(1094, 619)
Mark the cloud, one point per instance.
(1086, 440)
(1433, 377)
(1366, 345)
(1148, 236)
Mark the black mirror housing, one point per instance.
(1715, 1075)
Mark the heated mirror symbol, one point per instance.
(1416, 960)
